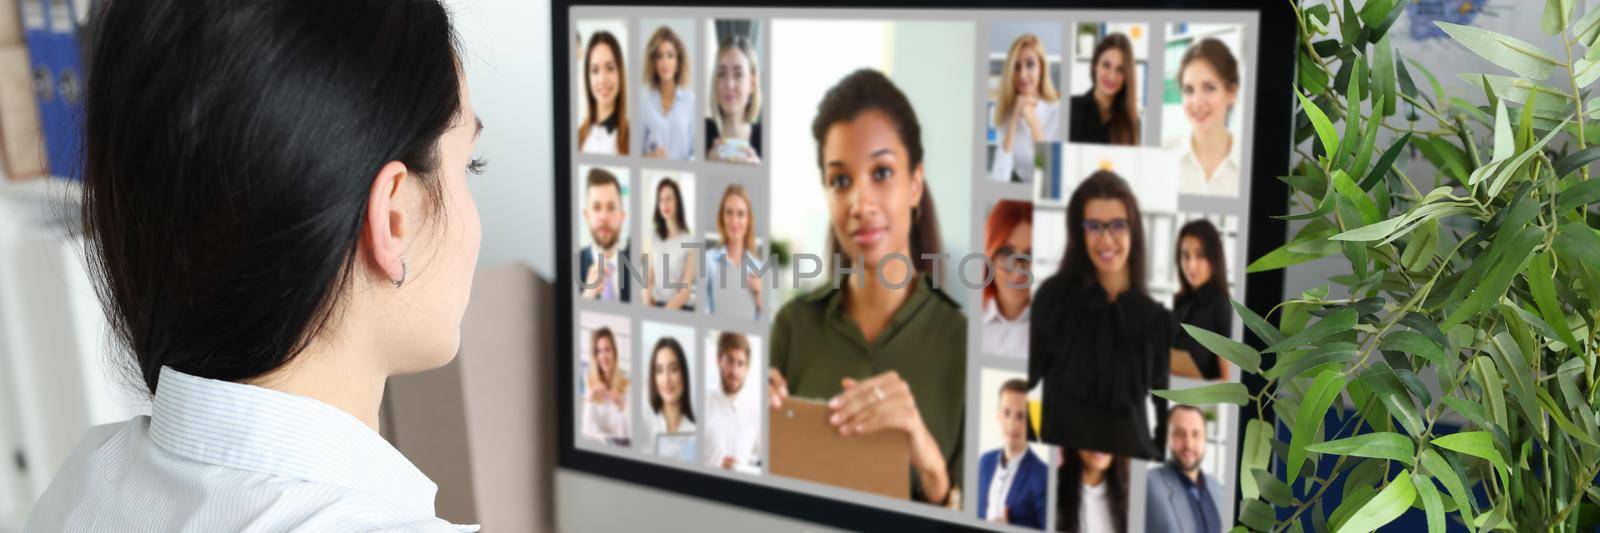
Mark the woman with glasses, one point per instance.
(1099, 342)
(1008, 241)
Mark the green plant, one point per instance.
(1482, 281)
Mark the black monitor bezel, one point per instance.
(1269, 197)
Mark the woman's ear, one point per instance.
(917, 184)
(387, 226)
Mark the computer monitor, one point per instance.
(911, 265)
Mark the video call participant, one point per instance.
(733, 132)
(1202, 300)
(733, 420)
(1092, 492)
(669, 274)
(605, 409)
(1029, 111)
(669, 108)
(886, 348)
(1180, 497)
(605, 121)
(1099, 342)
(1108, 112)
(732, 288)
(1012, 481)
(602, 263)
(1008, 241)
(1208, 76)
(669, 389)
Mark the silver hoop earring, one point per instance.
(405, 270)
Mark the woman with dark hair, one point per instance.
(605, 406)
(669, 274)
(669, 108)
(672, 410)
(1092, 492)
(1202, 300)
(277, 221)
(884, 345)
(1108, 112)
(604, 129)
(733, 131)
(1208, 77)
(1099, 342)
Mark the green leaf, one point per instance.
(1504, 146)
(1231, 392)
(1371, 232)
(1433, 81)
(1257, 515)
(1587, 27)
(1319, 120)
(1540, 275)
(1383, 78)
(1468, 410)
(1257, 455)
(1477, 444)
(1423, 247)
(1369, 139)
(1388, 505)
(1432, 503)
(1292, 365)
(1508, 254)
(1258, 325)
(1414, 343)
(1312, 408)
(1578, 243)
(1584, 72)
(1516, 55)
(1273, 490)
(1353, 116)
(1509, 169)
(1285, 256)
(1338, 322)
(1555, 16)
(1447, 476)
(1381, 445)
(1572, 162)
(1385, 162)
(1234, 351)
(1556, 412)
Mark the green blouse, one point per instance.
(815, 344)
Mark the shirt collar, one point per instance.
(1187, 483)
(280, 434)
(991, 313)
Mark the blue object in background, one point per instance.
(50, 29)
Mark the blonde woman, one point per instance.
(733, 131)
(668, 120)
(605, 407)
(732, 288)
(605, 122)
(1029, 110)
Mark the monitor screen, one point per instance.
(923, 263)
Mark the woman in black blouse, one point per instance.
(1099, 342)
(1202, 300)
(1108, 113)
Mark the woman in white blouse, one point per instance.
(1208, 76)
(1029, 111)
(672, 412)
(604, 129)
(605, 405)
(1092, 493)
(305, 243)
(669, 275)
(668, 119)
(1008, 241)
(732, 288)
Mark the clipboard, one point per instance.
(804, 446)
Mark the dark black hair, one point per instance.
(869, 90)
(230, 148)
(670, 344)
(1069, 491)
(1075, 264)
(677, 218)
(1211, 245)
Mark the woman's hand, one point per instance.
(660, 151)
(1028, 111)
(777, 388)
(754, 284)
(884, 402)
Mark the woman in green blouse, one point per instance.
(885, 347)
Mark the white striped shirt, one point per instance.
(221, 456)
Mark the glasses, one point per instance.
(1116, 226)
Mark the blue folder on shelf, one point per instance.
(50, 28)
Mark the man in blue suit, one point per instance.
(1012, 480)
(604, 213)
(1179, 497)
